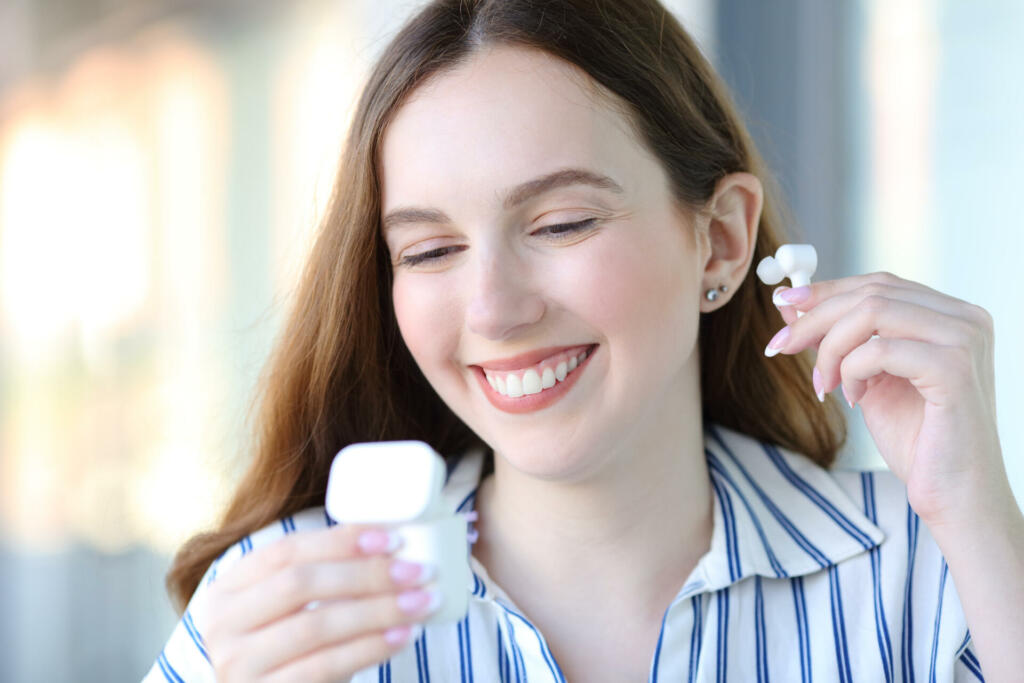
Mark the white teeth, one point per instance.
(531, 382)
(514, 385)
(561, 370)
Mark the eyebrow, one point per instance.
(513, 198)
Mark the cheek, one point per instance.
(635, 288)
(427, 319)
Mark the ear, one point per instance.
(730, 221)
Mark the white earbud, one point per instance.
(795, 261)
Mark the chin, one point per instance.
(564, 461)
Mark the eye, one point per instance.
(558, 231)
(431, 255)
(562, 230)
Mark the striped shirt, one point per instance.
(812, 575)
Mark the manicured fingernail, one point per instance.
(419, 601)
(404, 572)
(846, 396)
(818, 388)
(377, 541)
(788, 297)
(777, 342)
(403, 634)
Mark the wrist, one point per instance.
(993, 507)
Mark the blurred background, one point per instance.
(163, 164)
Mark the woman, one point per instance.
(538, 260)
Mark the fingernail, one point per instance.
(788, 297)
(846, 396)
(419, 601)
(377, 541)
(777, 342)
(397, 635)
(818, 388)
(404, 572)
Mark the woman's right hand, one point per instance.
(259, 628)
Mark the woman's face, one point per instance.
(506, 272)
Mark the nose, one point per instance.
(504, 300)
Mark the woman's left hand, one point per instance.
(920, 365)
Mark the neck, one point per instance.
(635, 529)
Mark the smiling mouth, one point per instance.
(536, 378)
(528, 389)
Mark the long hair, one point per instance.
(340, 373)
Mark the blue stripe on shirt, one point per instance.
(657, 648)
(729, 520)
(517, 654)
(419, 659)
(908, 612)
(469, 648)
(803, 634)
(839, 626)
(938, 618)
(426, 658)
(470, 496)
(190, 626)
(971, 662)
(760, 644)
(696, 636)
(816, 497)
(867, 481)
(716, 466)
(502, 658)
(722, 610)
(783, 521)
(167, 669)
(549, 659)
(462, 653)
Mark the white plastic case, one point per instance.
(398, 484)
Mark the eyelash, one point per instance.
(557, 231)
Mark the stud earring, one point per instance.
(712, 293)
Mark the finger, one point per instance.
(875, 283)
(885, 284)
(888, 318)
(296, 586)
(925, 365)
(342, 661)
(787, 312)
(809, 330)
(335, 623)
(322, 545)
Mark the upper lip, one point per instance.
(529, 358)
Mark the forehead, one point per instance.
(501, 118)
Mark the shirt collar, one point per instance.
(776, 513)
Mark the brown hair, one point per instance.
(340, 372)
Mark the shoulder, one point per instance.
(184, 657)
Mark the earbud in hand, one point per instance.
(795, 261)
